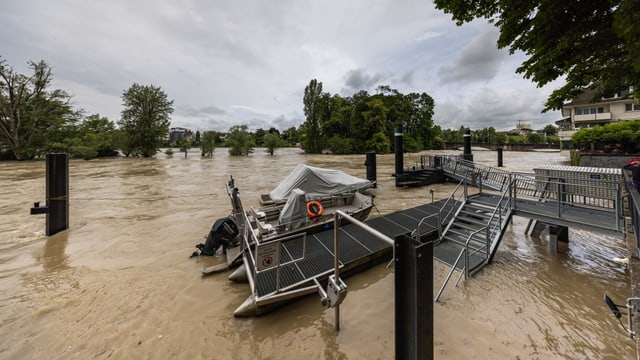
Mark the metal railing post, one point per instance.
(336, 261)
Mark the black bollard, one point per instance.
(399, 151)
(413, 298)
(57, 193)
(370, 163)
(466, 142)
(500, 156)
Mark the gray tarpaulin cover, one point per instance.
(294, 212)
(316, 181)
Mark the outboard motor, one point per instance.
(223, 233)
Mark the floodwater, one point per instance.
(119, 283)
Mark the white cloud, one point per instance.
(248, 61)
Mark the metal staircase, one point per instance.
(471, 238)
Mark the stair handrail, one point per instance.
(417, 233)
(491, 231)
(463, 252)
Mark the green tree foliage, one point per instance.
(94, 137)
(501, 138)
(312, 109)
(145, 119)
(273, 141)
(208, 143)
(348, 125)
(375, 127)
(559, 38)
(623, 136)
(239, 141)
(259, 135)
(30, 112)
(535, 138)
(197, 140)
(550, 130)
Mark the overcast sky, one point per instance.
(227, 63)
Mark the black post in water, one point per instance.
(500, 156)
(57, 193)
(466, 142)
(413, 298)
(399, 151)
(370, 163)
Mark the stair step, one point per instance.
(462, 243)
(482, 221)
(466, 226)
(479, 237)
(447, 254)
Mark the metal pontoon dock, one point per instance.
(290, 267)
(466, 229)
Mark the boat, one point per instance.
(315, 182)
(301, 213)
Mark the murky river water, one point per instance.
(118, 284)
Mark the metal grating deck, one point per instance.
(356, 246)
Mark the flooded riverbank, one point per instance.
(119, 284)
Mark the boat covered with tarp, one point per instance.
(315, 182)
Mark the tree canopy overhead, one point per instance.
(592, 43)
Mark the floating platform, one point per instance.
(307, 260)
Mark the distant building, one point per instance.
(178, 133)
(582, 112)
(524, 128)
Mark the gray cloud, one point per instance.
(200, 112)
(252, 59)
(358, 79)
(478, 61)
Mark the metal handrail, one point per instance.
(464, 251)
(336, 240)
(492, 231)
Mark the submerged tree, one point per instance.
(145, 119)
(272, 141)
(208, 143)
(239, 141)
(29, 111)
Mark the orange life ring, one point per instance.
(314, 209)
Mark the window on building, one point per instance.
(587, 111)
(632, 107)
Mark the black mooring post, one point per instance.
(466, 143)
(399, 151)
(413, 299)
(57, 194)
(500, 156)
(370, 163)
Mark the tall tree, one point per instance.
(29, 110)
(145, 119)
(311, 100)
(559, 38)
(375, 122)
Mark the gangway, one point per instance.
(472, 236)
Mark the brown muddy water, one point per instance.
(119, 284)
